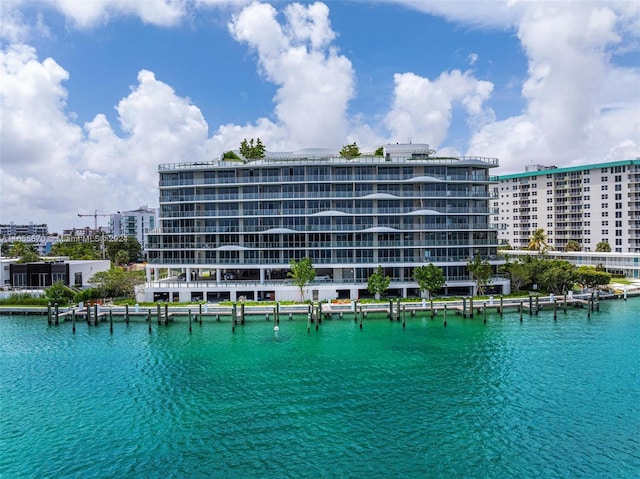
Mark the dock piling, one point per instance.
(521, 308)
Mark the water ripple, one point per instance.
(507, 399)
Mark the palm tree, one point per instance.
(573, 245)
(538, 241)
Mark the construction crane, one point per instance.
(95, 218)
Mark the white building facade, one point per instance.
(587, 204)
(228, 230)
(135, 223)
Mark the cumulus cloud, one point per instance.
(51, 167)
(85, 14)
(573, 92)
(315, 82)
(423, 108)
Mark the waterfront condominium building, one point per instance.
(229, 229)
(588, 204)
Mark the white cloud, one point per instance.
(86, 14)
(422, 109)
(580, 107)
(315, 83)
(50, 167)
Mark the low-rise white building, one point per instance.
(627, 264)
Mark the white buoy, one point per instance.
(276, 328)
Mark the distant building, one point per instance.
(229, 230)
(587, 204)
(135, 223)
(13, 229)
(35, 234)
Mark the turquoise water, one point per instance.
(501, 400)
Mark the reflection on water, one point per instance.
(540, 398)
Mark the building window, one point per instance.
(605, 223)
(605, 232)
(618, 178)
(604, 187)
(618, 196)
(604, 179)
(604, 196)
(618, 206)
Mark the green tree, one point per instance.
(603, 247)
(130, 245)
(590, 277)
(121, 257)
(231, 156)
(59, 293)
(505, 247)
(430, 278)
(117, 283)
(378, 283)
(480, 271)
(350, 151)
(252, 150)
(29, 257)
(538, 241)
(76, 249)
(19, 249)
(302, 273)
(558, 276)
(518, 273)
(379, 151)
(573, 245)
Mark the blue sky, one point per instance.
(96, 94)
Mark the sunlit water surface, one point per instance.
(541, 398)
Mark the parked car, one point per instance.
(323, 277)
(230, 276)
